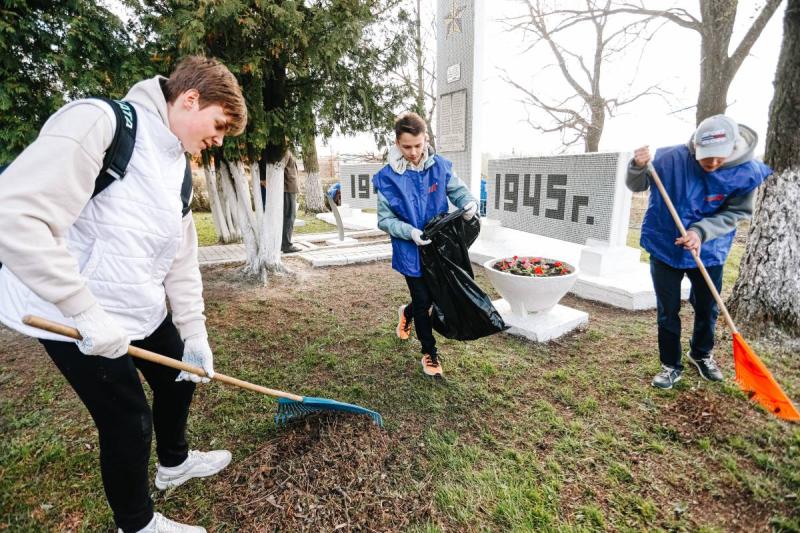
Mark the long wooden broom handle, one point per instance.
(696, 256)
(133, 351)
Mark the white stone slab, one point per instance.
(358, 220)
(299, 223)
(544, 326)
(348, 241)
(343, 255)
(628, 286)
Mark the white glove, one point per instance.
(197, 352)
(470, 210)
(101, 333)
(416, 236)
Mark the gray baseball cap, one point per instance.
(715, 137)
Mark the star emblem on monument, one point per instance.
(453, 19)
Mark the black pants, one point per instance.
(421, 302)
(667, 284)
(289, 214)
(112, 392)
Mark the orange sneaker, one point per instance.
(403, 329)
(431, 366)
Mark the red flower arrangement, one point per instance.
(538, 267)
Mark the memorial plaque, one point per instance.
(571, 197)
(453, 121)
(357, 189)
(453, 73)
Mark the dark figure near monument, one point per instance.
(290, 191)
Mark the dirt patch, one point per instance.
(326, 473)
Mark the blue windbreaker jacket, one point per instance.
(411, 199)
(696, 194)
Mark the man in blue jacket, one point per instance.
(712, 181)
(412, 189)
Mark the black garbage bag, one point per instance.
(461, 310)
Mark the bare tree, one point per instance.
(580, 115)
(418, 74)
(715, 26)
(767, 291)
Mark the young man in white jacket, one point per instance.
(107, 264)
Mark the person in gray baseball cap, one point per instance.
(712, 181)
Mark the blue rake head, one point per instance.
(289, 410)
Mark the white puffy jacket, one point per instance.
(128, 248)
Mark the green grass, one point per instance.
(207, 235)
(564, 436)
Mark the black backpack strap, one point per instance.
(186, 187)
(118, 155)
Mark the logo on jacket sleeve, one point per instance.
(715, 198)
(433, 188)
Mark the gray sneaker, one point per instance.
(707, 367)
(667, 377)
(197, 464)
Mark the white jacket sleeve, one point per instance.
(43, 192)
(184, 285)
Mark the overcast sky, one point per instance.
(671, 60)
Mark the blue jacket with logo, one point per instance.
(408, 199)
(696, 194)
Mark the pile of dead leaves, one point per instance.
(326, 473)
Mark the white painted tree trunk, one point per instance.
(255, 184)
(246, 216)
(768, 288)
(229, 202)
(220, 224)
(260, 228)
(272, 223)
(315, 199)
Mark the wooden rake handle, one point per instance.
(696, 256)
(133, 351)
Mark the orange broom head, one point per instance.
(756, 380)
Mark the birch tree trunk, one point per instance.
(768, 289)
(220, 224)
(315, 199)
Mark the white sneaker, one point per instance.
(162, 524)
(198, 464)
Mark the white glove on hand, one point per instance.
(101, 334)
(197, 352)
(416, 236)
(470, 210)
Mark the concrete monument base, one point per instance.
(542, 326)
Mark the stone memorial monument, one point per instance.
(459, 46)
(357, 194)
